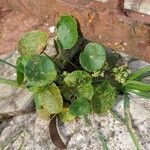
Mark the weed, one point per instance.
(92, 86)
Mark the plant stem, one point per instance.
(67, 60)
(60, 54)
(117, 116)
(99, 134)
(9, 82)
(5, 62)
(128, 123)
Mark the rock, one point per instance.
(137, 64)
(26, 132)
(138, 6)
(29, 132)
(81, 136)
(50, 49)
(13, 101)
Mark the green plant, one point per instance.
(92, 86)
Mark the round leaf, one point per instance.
(67, 33)
(85, 90)
(50, 100)
(32, 43)
(93, 57)
(77, 84)
(21, 63)
(40, 71)
(80, 107)
(66, 116)
(77, 77)
(103, 98)
(71, 93)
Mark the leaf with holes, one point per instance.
(50, 100)
(73, 92)
(103, 98)
(77, 84)
(93, 57)
(32, 43)
(77, 77)
(40, 71)
(67, 33)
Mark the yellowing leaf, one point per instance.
(50, 100)
(32, 43)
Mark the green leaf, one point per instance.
(8, 82)
(50, 100)
(142, 94)
(103, 98)
(77, 77)
(144, 75)
(137, 85)
(77, 84)
(71, 93)
(38, 100)
(139, 73)
(67, 33)
(40, 71)
(80, 107)
(32, 43)
(93, 57)
(66, 116)
(85, 90)
(35, 89)
(21, 63)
